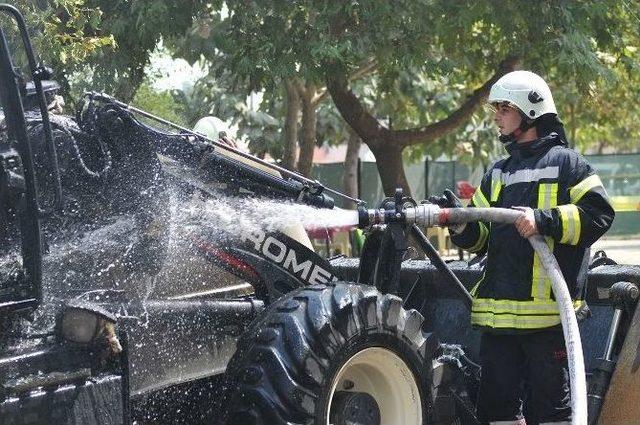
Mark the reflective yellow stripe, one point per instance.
(496, 184)
(570, 217)
(540, 281)
(482, 238)
(513, 321)
(547, 195)
(479, 200)
(578, 191)
(474, 290)
(519, 308)
(516, 314)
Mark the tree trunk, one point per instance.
(601, 145)
(574, 127)
(292, 106)
(126, 88)
(308, 140)
(390, 167)
(350, 179)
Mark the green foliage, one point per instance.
(161, 104)
(65, 33)
(70, 32)
(137, 27)
(431, 54)
(105, 45)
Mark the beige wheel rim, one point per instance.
(387, 378)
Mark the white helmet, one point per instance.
(211, 127)
(527, 91)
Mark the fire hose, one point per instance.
(430, 215)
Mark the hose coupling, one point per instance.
(424, 215)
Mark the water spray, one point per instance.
(431, 215)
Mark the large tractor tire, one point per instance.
(333, 354)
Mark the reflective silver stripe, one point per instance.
(498, 319)
(528, 176)
(513, 321)
(546, 200)
(522, 308)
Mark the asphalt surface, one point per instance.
(623, 251)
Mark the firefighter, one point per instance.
(522, 349)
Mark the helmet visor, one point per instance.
(501, 105)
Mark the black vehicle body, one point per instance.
(93, 220)
(83, 236)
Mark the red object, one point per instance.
(464, 189)
(560, 354)
(325, 232)
(235, 263)
(444, 216)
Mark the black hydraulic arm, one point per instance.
(385, 271)
(29, 212)
(197, 152)
(38, 73)
(439, 263)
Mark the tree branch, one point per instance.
(365, 69)
(372, 131)
(299, 86)
(456, 118)
(361, 121)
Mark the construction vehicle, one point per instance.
(121, 302)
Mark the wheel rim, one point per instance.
(387, 378)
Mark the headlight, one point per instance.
(83, 322)
(79, 325)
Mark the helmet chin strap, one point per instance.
(525, 124)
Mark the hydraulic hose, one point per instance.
(429, 215)
(577, 376)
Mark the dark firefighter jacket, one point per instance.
(571, 210)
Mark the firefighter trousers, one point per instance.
(524, 374)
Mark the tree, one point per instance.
(65, 33)
(105, 45)
(350, 179)
(325, 42)
(292, 110)
(160, 103)
(311, 96)
(299, 95)
(137, 27)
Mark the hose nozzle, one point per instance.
(424, 215)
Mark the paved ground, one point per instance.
(624, 251)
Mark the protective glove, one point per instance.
(448, 200)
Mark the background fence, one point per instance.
(620, 175)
